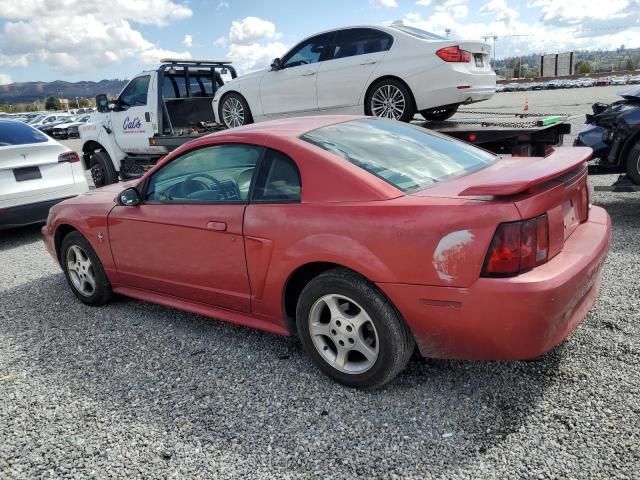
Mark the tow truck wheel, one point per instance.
(391, 99)
(439, 114)
(234, 111)
(633, 164)
(102, 170)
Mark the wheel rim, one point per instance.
(81, 271)
(97, 174)
(233, 112)
(343, 334)
(388, 102)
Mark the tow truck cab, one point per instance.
(156, 112)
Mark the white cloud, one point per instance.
(423, 3)
(383, 3)
(538, 37)
(187, 41)
(247, 58)
(158, 12)
(96, 34)
(5, 79)
(251, 29)
(252, 43)
(222, 5)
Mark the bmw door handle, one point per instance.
(307, 74)
(369, 62)
(217, 226)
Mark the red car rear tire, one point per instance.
(351, 331)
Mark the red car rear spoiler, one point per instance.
(525, 175)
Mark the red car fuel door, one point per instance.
(195, 252)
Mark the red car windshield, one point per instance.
(408, 157)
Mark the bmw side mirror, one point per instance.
(129, 197)
(276, 64)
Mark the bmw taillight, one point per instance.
(517, 247)
(68, 157)
(454, 54)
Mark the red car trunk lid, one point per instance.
(555, 185)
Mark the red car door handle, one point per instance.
(217, 226)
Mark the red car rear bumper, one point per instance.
(510, 318)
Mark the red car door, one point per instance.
(185, 239)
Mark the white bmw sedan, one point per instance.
(36, 172)
(390, 71)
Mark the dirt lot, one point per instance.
(134, 390)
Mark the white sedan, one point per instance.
(390, 71)
(36, 172)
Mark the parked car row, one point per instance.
(570, 83)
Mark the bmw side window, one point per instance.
(360, 41)
(135, 94)
(278, 180)
(307, 52)
(217, 174)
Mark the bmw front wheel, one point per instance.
(390, 99)
(234, 111)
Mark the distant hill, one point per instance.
(32, 91)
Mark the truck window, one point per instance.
(135, 93)
(181, 84)
(168, 89)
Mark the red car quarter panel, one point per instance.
(510, 318)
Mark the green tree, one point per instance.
(52, 103)
(628, 65)
(84, 102)
(583, 67)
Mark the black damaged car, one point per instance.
(613, 132)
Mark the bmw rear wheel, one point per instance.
(350, 330)
(234, 111)
(390, 99)
(83, 270)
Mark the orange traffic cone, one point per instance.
(526, 105)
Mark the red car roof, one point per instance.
(289, 127)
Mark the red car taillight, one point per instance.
(68, 157)
(454, 54)
(517, 247)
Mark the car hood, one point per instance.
(239, 80)
(632, 94)
(67, 125)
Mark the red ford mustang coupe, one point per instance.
(366, 237)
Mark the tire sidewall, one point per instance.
(103, 288)
(409, 110)
(247, 118)
(381, 313)
(633, 164)
(103, 160)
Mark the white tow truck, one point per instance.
(156, 112)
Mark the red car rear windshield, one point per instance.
(408, 157)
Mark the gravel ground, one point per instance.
(134, 390)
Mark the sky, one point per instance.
(72, 40)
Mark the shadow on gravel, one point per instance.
(247, 393)
(17, 237)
